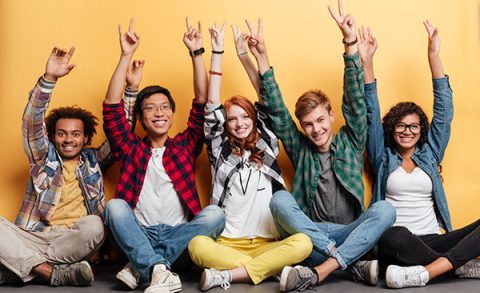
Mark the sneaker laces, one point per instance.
(357, 271)
(413, 276)
(160, 275)
(221, 279)
(68, 274)
(307, 280)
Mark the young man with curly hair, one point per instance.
(59, 224)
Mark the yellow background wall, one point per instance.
(304, 46)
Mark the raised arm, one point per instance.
(434, 61)
(439, 132)
(281, 121)
(346, 23)
(35, 138)
(367, 46)
(134, 77)
(241, 38)
(129, 42)
(193, 40)
(217, 38)
(353, 103)
(256, 44)
(119, 118)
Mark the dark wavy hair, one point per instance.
(250, 142)
(89, 121)
(396, 114)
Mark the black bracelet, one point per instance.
(351, 43)
(218, 52)
(197, 52)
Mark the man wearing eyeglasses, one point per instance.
(156, 210)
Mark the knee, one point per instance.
(385, 211)
(197, 245)
(91, 230)
(394, 239)
(279, 202)
(213, 218)
(116, 209)
(302, 246)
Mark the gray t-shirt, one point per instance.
(332, 203)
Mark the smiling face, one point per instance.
(318, 127)
(407, 133)
(239, 123)
(69, 138)
(157, 115)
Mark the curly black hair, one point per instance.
(89, 121)
(396, 114)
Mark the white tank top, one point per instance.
(411, 195)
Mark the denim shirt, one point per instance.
(385, 160)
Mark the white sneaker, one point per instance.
(213, 278)
(163, 281)
(469, 270)
(129, 276)
(402, 277)
(365, 271)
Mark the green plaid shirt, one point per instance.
(347, 146)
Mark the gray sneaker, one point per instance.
(365, 271)
(76, 274)
(469, 270)
(129, 276)
(297, 278)
(7, 277)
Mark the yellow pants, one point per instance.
(261, 257)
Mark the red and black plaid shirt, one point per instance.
(133, 154)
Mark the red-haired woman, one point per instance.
(242, 151)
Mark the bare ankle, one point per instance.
(43, 270)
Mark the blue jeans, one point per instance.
(351, 241)
(161, 244)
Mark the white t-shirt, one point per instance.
(159, 203)
(411, 195)
(247, 204)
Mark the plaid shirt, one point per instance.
(224, 164)
(347, 146)
(43, 190)
(134, 153)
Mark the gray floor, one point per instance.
(340, 282)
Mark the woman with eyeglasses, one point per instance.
(405, 152)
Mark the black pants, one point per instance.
(399, 246)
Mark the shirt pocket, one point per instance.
(94, 186)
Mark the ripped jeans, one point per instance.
(351, 241)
